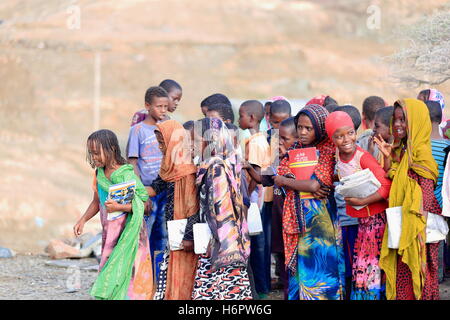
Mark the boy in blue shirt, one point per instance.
(145, 156)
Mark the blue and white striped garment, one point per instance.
(437, 149)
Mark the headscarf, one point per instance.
(318, 100)
(336, 120)
(444, 126)
(221, 203)
(177, 167)
(276, 98)
(294, 222)
(435, 95)
(406, 192)
(114, 279)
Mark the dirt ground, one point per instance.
(28, 277)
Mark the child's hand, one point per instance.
(279, 181)
(385, 147)
(322, 193)
(78, 228)
(112, 206)
(355, 201)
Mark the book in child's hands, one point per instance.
(360, 184)
(302, 163)
(122, 193)
(202, 237)
(175, 233)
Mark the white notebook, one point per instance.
(361, 184)
(175, 230)
(394, 222)
(202, 236)
(436, 229)
(254, 220)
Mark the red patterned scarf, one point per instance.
(293, 217)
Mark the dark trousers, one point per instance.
(349, 234)
(260, 252)
(156, 224)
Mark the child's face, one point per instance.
(162, 144)
(345, 140)
(287, 139)
(380, 129)
(157, 109)
(174, 99)
(213, 114)
(245, 121)
(276, 118)
(97, 154)
(399, 124)
(305, 130)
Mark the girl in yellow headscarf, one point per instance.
(412, 269)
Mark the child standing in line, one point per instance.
(349, 225)
(411, 270)
(309, 229)
(367, 277)
(257, 157)
(438, 144)
(145, 156)
(221, 272)
(174, 91)
(287, 137)
(125, 270)
(234, 131)
(370, 106)
(175, 279)
(279, 111)
(382, 121)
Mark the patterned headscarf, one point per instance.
(294, 222)
(317, 114)
(437, 96)
(221, 200)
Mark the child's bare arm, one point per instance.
(91, 211)
(255, 173)
(299, 185)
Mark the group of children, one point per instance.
(214, 173)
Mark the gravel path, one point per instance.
(30, 277)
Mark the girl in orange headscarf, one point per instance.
(175, 279)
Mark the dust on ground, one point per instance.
(28, 277)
